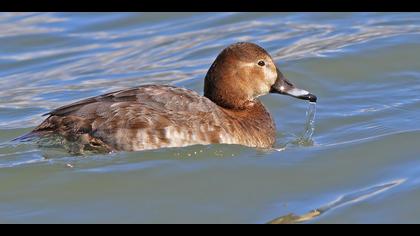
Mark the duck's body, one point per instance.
(157, 116)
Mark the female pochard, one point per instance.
(158, 116)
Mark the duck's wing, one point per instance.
(159, 96)
(116, 96)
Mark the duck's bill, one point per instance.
(301, 94)
(283, 86)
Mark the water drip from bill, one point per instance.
(306, 138)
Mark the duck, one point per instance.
(156, 116)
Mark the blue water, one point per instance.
(360, 166)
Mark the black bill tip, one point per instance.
(310, 97)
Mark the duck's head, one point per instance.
(244, 71)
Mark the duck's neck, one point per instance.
(254, 124)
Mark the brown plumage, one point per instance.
(157, 116)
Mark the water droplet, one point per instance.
(306, 139)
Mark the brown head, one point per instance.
(244, 71)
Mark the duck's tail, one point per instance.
(30, 136)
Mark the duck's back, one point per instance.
(145, 117)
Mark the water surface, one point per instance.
(360, 166)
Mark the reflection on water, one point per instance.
(364, 67)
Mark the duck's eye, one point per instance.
(261, 63)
